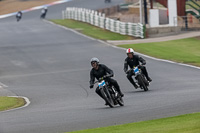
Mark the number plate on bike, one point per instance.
(136, 70)
(102, 83)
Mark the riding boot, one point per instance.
(144, 71)
(132, 82)
(118, 89)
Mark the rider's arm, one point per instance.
(125, 66)
(108, 70)
(92, 78)
(142, 60)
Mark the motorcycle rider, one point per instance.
(100, 70)
(131, 61)
(44, 12)
(18, 15)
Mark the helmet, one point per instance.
(129, 50)
(94, 59)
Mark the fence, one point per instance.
(98, 19)
(189, 22)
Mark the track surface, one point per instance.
(51, 66)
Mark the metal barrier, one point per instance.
(98, 19)
(189, 22)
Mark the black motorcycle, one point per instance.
(141, 80)
(18, 19)
(44, 12)
(109, 93)
(19, 16)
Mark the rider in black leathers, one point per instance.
(44, 12)
(18, 16)
(98, 71)
(131, 61)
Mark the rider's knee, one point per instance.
(128, 76)
(97, 90)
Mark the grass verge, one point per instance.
(7, 103)
(91, 30)
(184, 50)
(188, 123)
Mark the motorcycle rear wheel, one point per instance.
(120, 101)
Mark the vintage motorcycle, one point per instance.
(141, 80)
(109, 93)
(19, 16)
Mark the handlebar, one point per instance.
(102, 78)
(133, 68)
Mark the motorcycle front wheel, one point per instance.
(141, 82)
(107, 97)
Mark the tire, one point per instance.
(120, 101)
(42, 16)
(107, 97)
(145, 81)
(141, 82)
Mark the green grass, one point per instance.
(7, 103)
(91, 31)
(184, 51)
(189, 123)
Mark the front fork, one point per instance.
(136, 80)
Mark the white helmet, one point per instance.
(129, 50)
(94, 59)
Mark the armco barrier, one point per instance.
(98, 19)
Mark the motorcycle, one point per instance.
(19, 16)
(44, 12)
(141, 80)
(18, 19)
(43, 16)
(109, 93)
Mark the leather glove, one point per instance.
(105, 76)
(101, 78)
(91, 86)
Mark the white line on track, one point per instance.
(35, 8)
(153, 58)
(150, 57)
(3, 85)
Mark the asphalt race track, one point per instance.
(50, 65)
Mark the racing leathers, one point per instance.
(132, 62)
(102, 71)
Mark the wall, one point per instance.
(163, 31)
